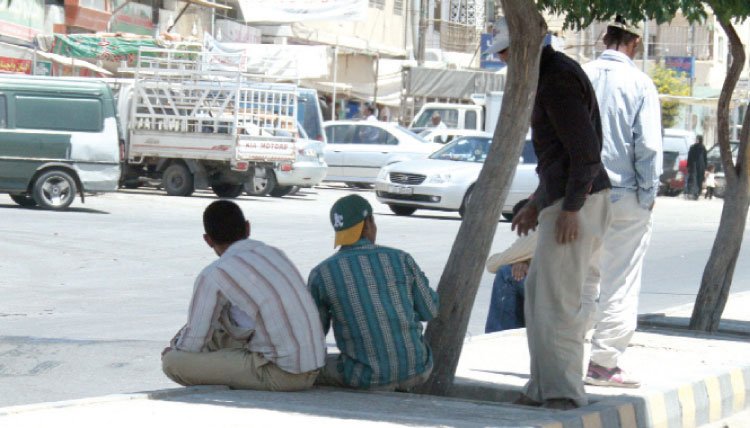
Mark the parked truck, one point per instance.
(480, 115)
(197, 121)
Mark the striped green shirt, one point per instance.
(375, 297)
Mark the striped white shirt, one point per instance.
(260, 289)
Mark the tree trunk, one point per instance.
(719, 271)
(460, 280)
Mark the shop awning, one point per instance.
(73, 62)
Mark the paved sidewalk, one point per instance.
(689, 380)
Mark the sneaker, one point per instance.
(602, 376)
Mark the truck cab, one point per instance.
(454, 116)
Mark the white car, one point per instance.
(444, 181)
(446, 135)
(356, 150)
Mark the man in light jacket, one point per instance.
(632, 155)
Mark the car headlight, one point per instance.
(383, 174)
(439, 178)
(308, 152)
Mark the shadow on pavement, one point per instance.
(72, 209)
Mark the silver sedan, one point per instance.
(445, 180)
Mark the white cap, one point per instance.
(501, 41)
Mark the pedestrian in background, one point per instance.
(572, 209)
(697, 161)
(710, 182)
(632, 155)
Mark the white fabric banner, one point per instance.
(282, 62)
(286, 11)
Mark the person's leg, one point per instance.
(503, 312)
(330, 374)
(555, 315)
(624, 247)
(496, 301)
(233, 367)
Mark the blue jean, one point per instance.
(506, 303)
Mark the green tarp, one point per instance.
(103, 48)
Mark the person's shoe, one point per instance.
(601, 376)
(525, 400)
(560, 404)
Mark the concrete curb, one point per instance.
(147, 395)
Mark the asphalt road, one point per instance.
(90, 296)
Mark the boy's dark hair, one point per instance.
(224, 222)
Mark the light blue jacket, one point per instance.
(631, 124)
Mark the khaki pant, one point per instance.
(232, 365)
(556, 317)
(614, 289)
(330, 376)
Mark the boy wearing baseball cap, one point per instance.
(375, 298)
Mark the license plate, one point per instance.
(400, 190)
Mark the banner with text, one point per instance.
(286, 11)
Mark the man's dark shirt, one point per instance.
(567, 134)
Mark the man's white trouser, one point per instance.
(617, 282)
(556, 318)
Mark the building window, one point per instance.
(377, 4)
(398, 7)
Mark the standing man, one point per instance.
(572, 208)
(697, 161)
(368, 112)
(376, 298)
(251, 323)
(632, 155)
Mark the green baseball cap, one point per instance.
(347, 218)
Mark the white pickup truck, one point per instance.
(197, 121)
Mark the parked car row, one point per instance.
(63, 137)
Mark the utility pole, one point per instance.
(423, 4)
(644, 64)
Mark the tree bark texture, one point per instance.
(460, 280)
(717, 276)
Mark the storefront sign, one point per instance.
(681, 64)
(43, 68)
(489, 61)
(278, 11)
(21, 19)
(15, 65)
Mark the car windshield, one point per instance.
(409, 132)
(449, 117)
(466, 149)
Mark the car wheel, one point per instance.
(227, 190)
(261, 186)
(54, 190)
(467, 198)
(401, 209)
(177, 180)
(279, 191)
(24, 200)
